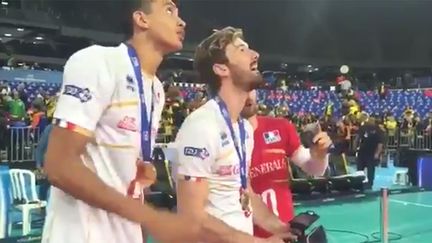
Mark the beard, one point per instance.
(245, 79)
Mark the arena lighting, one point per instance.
(7, 35)
(39, 38)
(344, 69)
(20, 29)
(4, 3)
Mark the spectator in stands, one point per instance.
(50, 106)
(16, 108)
(38, 118)
(390, 125)
(22, 93)
(383, 91)
(427, 123)
(370, 141)
(4, 88)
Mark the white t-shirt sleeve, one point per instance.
(86, 90)
(197, 147)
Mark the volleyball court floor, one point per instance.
(348, 220)
(354, 221)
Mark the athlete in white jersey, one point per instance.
(214, 146)
(99, 137)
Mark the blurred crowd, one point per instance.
(18, 110)
(342, 122)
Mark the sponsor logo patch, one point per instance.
(128, 123)
(201, 153)
(272, 137)
(83, 94)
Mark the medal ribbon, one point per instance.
(146, 119)
(240, 149)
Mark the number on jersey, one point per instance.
(269, 198)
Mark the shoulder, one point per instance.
(88, 54)
(274, 122)
(95, 55)
(202, 120)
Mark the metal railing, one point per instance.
(22, 144)
(415, 140)
(394, 140)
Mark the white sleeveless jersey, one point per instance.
(100, 98)
(205, 149)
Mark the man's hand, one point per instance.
(284, 233)
(321, 144)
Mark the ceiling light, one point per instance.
(344, 69)
(39, 38)
(20, 29)
(7, 35)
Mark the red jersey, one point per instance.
(275, 139)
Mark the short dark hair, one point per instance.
(211, 51)
(130, 7)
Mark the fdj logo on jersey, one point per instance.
(83, 94)
(201, 153)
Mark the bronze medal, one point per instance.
(146, 173)
(245, 201)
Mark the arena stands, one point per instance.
(302, 106)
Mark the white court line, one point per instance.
(411, 203)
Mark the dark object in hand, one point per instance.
(301, 223)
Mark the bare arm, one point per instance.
(302, 157)
(310, 163)
(64, 166)
(191, 200)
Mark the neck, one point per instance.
(149, 54)
(253, 121)
(234, 99)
